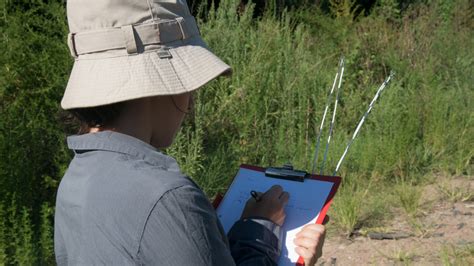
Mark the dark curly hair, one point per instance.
(81, 120)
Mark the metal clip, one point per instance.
(286, 172)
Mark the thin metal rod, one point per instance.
(328, 101)
(331, 127)
(361, 122)
(316, 152)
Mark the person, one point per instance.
(122, 201)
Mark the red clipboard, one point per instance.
(336, 180)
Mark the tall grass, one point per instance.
(267, 113)
(34, 66)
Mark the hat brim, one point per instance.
(101, 81)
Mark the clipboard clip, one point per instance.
(286, 172)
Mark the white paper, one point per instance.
(306, 201)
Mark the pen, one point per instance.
(255, 195)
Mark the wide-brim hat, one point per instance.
(126, 50)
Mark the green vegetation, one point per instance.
(267, 113)
(457, 255)
(399, 256)
(455, 194)
(409, 197)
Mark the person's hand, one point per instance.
(271, 205)
(309, 242)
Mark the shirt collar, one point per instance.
(121, 143)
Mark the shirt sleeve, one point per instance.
(183, 229)
(255, 241)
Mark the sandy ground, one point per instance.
(442, 235)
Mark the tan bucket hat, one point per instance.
(129, 49)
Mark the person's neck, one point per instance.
(133, 121)
(134, 132)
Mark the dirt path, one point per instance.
(443, 234)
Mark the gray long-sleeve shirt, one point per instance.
(122, 202)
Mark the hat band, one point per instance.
(132, 37)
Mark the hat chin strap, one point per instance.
(177, 107)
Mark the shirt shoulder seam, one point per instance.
(149, 214)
